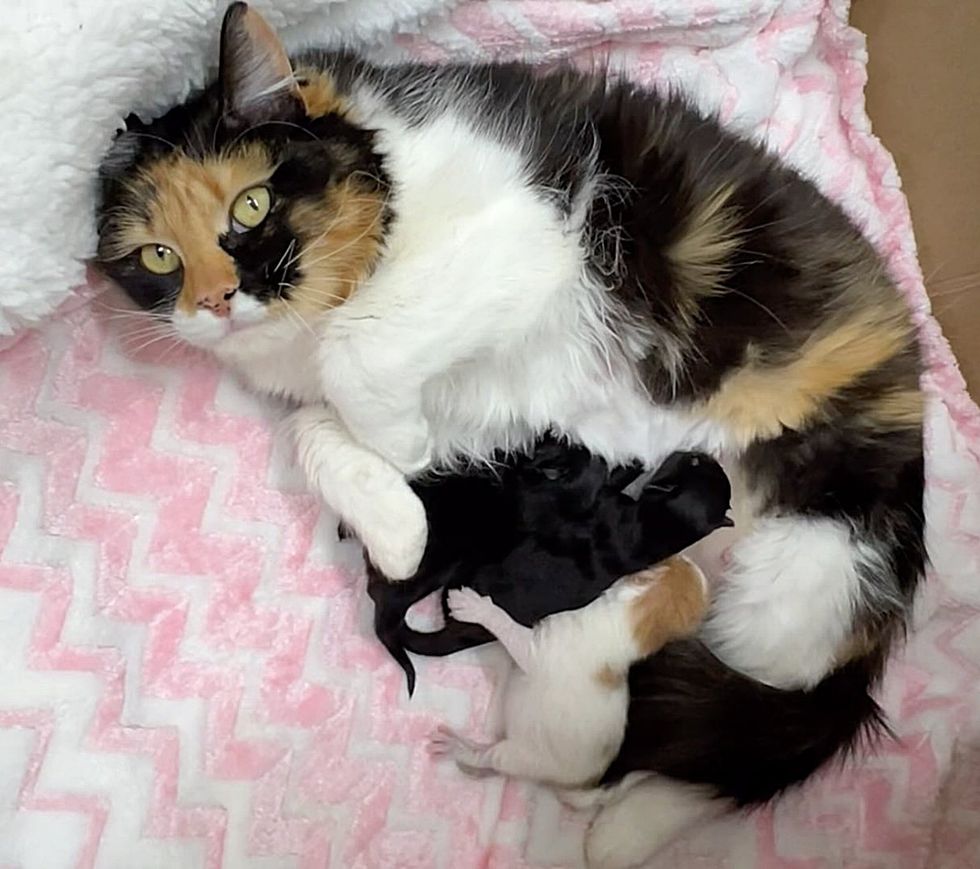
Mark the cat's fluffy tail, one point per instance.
(693, 718)
(726, 741)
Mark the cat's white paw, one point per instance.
(466, 605)
(394, 532)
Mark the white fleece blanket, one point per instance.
(71, 70)
(187, 672)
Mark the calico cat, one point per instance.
(438, 262)
(542, 533)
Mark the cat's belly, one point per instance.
(502, 404)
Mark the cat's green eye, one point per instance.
(251, 207)
(159, 259)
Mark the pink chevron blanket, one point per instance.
(187, 673)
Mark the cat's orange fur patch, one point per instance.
(758, 401)
(189, 211)
(609, 677)
(900, 408)
(860, 644)
(672, 607)
(319, 93)
(341, 236)
(700, 254)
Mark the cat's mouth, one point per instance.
(202, 328)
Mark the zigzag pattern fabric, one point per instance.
(187, 673)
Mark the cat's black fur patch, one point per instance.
(544, 534)
(693, 718)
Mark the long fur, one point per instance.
(486, 253)
(695, 719)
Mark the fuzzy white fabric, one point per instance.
(71, 70)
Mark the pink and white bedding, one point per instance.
(187, 673)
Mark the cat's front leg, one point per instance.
(379, 399)
(447, 293)
(370, 495)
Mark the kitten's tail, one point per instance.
(389, 619)
(389, 639)
(454, 637)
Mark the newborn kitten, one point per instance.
(550, 533)
(567, 697)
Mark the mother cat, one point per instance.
(433, 263)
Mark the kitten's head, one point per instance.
(254, 200)
(561, 479)
(696, 490)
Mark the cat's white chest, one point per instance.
(277, 358)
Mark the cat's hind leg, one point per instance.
(651, 814)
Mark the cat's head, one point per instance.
(254, 200)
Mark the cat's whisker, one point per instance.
(335, 220)
(339, 250)
(285, 254)
(124, 318)
(929, 279)
(143, 135)
(329, 280)
(327, 277)
(146, 344)
(326, 299)
(954, 285)
(105, 306)
(270, 123)
(304, 248)
(954, 294)
(141, 317)
(175, 347)
(152, 326)
(952, 299)
(297, 317)
(317, 293)
(760, 305)
(139, 336)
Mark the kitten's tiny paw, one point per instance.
(442, 742)
(466, 605)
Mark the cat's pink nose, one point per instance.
(218, 301)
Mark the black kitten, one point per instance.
(547, 533)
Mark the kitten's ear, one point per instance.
(257, 82)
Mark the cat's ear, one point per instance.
(257, 82)
(125, 148)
